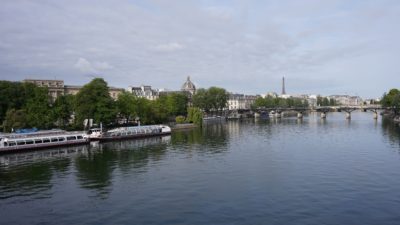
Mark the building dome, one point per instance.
(188, 86)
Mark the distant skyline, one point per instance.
(320, 47)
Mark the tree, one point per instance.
(63, 108)
(218, 97)
(14, 95)
(177, 104)
(332, 102)
(200, 100)
(93, 101)
(37, 109)
(391, 99)
(214, 98)
(195, 115)
(14, 119)
(126, 105)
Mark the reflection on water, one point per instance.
(391, 131)
(30, 173)
(278, 171)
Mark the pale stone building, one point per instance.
(240, 101)
(57, 88)
(144, 91)
(188, 86)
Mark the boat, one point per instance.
(13, 142)
(272, 114)
(128, 133)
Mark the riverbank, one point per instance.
(183, 126)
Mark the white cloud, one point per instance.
(244, 46)
(85, 66)
(170, 47)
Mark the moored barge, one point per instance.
(42, 139)
(129, 133)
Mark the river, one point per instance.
(287, 171)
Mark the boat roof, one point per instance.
(40, 134)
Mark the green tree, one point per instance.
(391, 99)
(63, 108)
(14, 95)
(214, 98)
(93, 101)
(177, 104)
(218, 97)
(14, 119)
(195, 115)
(201, 100)
(332, 102)
(37, 109)
(126, 105)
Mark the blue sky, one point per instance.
(321, 47)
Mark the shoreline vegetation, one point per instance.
(25, 105)
(392, 99)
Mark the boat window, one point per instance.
(21, 142)
(54, 139)
(61, 139)
(80, 137)
(46, 140)
(38, 141)
(5, 144)
(71, 138)
(29, 142)
(11, 143)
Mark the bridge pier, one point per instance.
(256, 115)
(323, 115)
(299, 115)
(375, 115)
(278, 114)
(348, 115)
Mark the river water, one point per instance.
(286, 171)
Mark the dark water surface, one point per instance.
(312, 171)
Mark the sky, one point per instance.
(320, 47)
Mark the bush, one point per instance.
(180, 119)
(195, 115)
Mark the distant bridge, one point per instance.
(277, 111)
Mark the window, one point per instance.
(29, 142)
(80, 137)
(61, 139)
(11, 143)
(21, 142)
(54, 139)
(38, 141)
(69, 138)
(46, 140)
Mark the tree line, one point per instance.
(275, 102)
(324, 101)
(25, 105)
(391, 99)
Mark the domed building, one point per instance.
(188, 86)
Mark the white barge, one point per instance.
(128, 133)
(41, 139)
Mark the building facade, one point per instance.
(144, 91)
(240, 101)
(57, 88)
(347, 100)
(189, 87)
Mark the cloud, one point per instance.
(85, 66)
(170, 47)
(243, 46)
